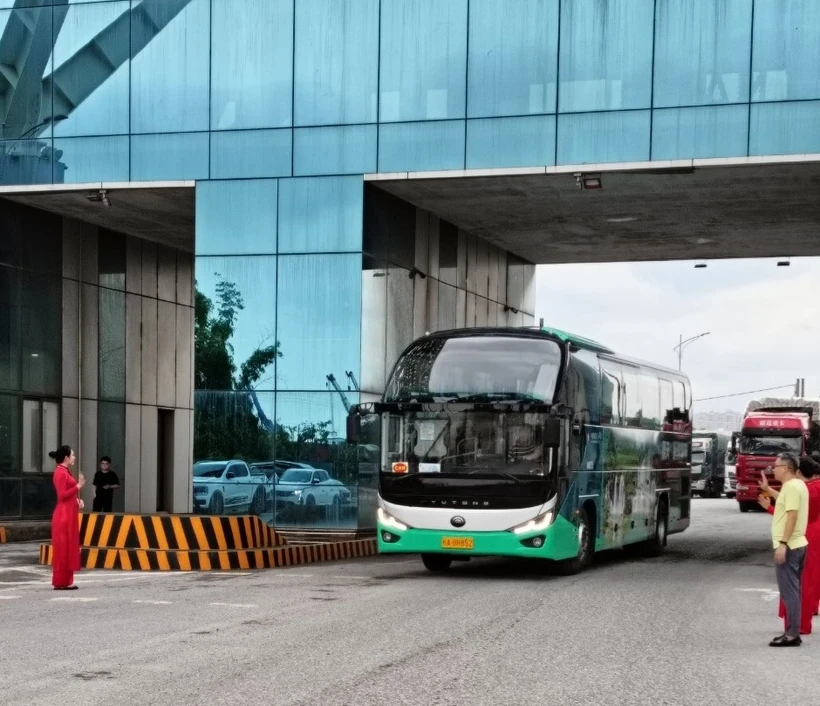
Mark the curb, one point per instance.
(216, 560)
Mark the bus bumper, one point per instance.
(558, 541)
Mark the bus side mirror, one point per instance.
(552, 433)
(354, 425)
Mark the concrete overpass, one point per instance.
(681, 210)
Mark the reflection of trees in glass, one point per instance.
(229, 419)
(225, 424)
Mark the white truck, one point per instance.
(222, 487)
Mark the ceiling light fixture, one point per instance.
(624, 219)
(588, 181)
(100, 197)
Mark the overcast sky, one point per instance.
(764, 320)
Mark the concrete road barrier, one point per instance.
(196, 543)
(216, 560)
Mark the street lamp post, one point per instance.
(679, 348)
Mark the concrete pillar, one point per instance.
(133, 348)
(133, 458)
(166, 354)
(148, 370)
(148, 459)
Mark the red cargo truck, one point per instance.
(770, 427)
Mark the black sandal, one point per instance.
(66, 588)
(785, 641)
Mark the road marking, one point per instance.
(235, 605)
(754, 590)
(8, 598)
(78, 599)
(769, 594)
(154, 602)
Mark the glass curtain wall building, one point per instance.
(309, 279)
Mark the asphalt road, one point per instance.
(689, 628)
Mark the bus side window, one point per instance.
(679, 396)
(633, 407)
(650, 399)
(611, 393)
(667, 400)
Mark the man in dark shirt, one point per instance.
(105, 482)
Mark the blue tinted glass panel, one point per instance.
(691, 133)
(88, 159)
(236, 217)
(251, 154)
(92, 94)
(251, 64)
(27, 61)
(702, 52)
(786, 46)
(320, 306)
(157, 157)
(29, 162)
(511, 142)
(251, 282)
(513, 57)
(335, 150)
(606, 55)
(785, 128)
(337, 61)
(321, 214)
(423, 60)
(603, 137)
(111, 344)
(170, 51)
(421, 146)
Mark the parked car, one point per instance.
(310, 487)
(228, 486)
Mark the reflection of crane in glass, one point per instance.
(264, 420)
(332, 381)
(31, 101)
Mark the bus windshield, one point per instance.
(477, 368)
(486, 443)
(769, 445)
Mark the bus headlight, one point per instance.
(388, 520)
(538, 524)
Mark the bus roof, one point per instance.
(564, 337)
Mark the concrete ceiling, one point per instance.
(164, 215)
(702, 213)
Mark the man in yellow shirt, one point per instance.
(789, 522)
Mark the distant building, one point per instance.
(726, 421)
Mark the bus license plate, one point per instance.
(456, 542)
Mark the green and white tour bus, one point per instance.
(526, 442)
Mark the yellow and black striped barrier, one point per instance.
(176, 532)
(216, 560)
(3, 536)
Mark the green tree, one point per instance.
(225, 424)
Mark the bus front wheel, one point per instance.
(586, 548)
(436, 562)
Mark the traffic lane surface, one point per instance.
(689, 628)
